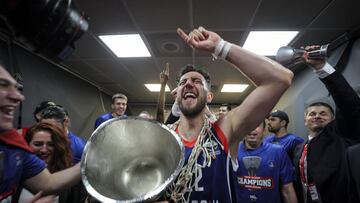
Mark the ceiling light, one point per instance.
(130, 45)
(156, 87)
(267, 43)
(234, 87)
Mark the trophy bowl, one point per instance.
(131, 160)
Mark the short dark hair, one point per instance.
(191, 68)
(321, 104)
(228, 107)
(41, 106)
(54, 112)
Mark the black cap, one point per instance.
(41, 106)
(280, 114)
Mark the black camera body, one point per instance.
(50, 27)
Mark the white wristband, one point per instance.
(226, 50)
(325, 71)
(218, 48)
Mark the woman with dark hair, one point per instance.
(49, 143)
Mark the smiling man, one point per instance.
(320, 162)
(17, 164)
(118, 106)
(211, 147)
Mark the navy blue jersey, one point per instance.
(261, 173)
(214, 183)
(18, 166)
(288, 141)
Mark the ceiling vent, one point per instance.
(170, 47)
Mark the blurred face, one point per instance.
(317, 117)
(192, 94)
(119, 106)
(10, 98)
(274, 124)
(253, 139)
(223, 110)
(42, 145)
(145, 115)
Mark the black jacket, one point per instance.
(353, 163)
(326, 152)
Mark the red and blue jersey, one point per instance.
(261, 173)
(214, 183)
(18, 165)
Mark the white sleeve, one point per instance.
(325, 71)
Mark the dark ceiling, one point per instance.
(319, 22)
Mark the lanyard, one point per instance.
(303, 166)
(308, 188)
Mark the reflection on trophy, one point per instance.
(131, 160)
(251, 163)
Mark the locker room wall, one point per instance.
(45, 81)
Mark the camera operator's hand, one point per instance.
(316, 64)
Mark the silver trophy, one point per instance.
(289, 57)
(251, 163)
(130, 160)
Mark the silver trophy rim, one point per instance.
(153, 195)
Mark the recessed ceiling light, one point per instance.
(156, 87)
(129, 45)
(267, 43)
(234, 87)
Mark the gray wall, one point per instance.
(307, 87)
(45, 81)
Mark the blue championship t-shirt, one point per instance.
(17, 166)
(261, 173)
(214, 183)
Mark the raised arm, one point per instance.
(346, 100)
(164, 76)
(271, 79)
